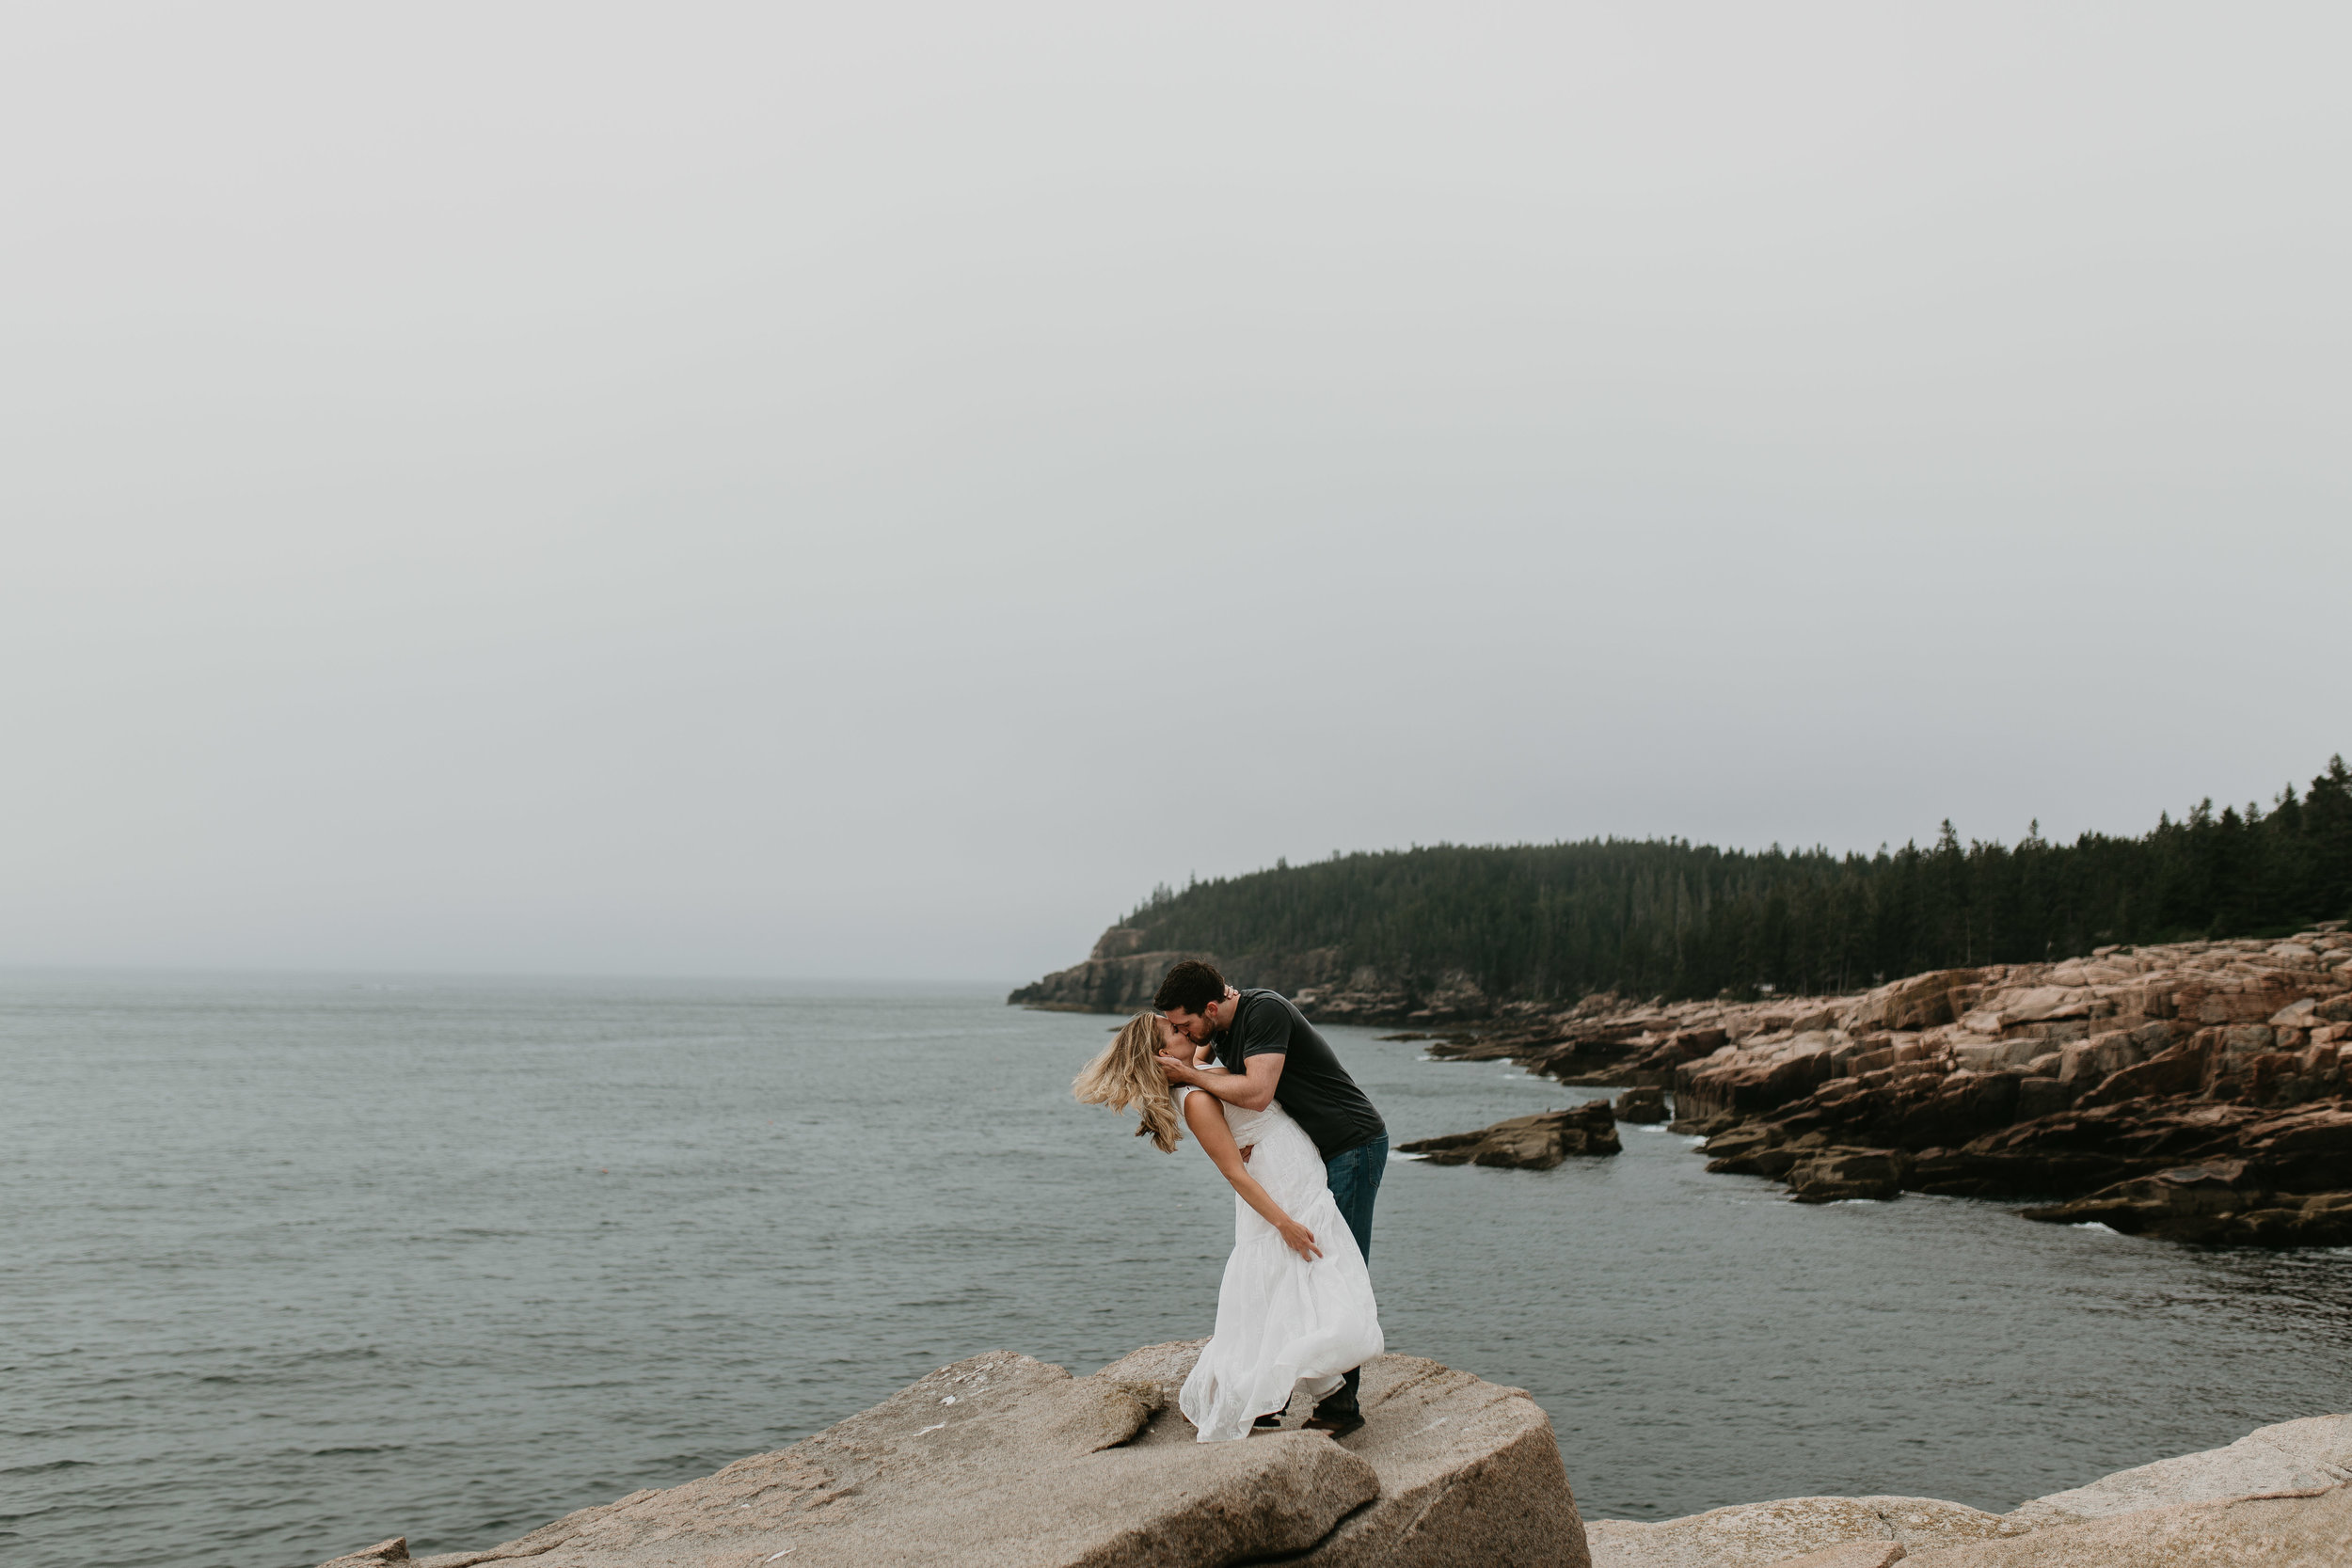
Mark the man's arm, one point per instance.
(1262, 1055)
(1252, 1089)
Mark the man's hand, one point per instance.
(1179, 1068)
(1176, 1056)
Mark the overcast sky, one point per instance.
(869, 490)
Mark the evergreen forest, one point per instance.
(1667, 917)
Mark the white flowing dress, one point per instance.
(1282, 1321)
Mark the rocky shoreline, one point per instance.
(1004, 1462)
(2195, 1091)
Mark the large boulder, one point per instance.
(2276, 1497)
(2293, 1456)
(1469, 1472)
(1747, 1081)
(1841, 1175)
(1004, 1462)
(1916, 1002)
(1760, 1535)
(2308, 1529)
(1526, 1143)
(1645, 1105)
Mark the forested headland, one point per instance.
(1675, 919)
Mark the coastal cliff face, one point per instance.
(1119, 976)
(2196, 1090)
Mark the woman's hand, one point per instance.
(1299, 1240)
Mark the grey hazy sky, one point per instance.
(869, 490)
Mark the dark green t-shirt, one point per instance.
(1314, 1088)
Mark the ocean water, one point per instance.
(293, 1264)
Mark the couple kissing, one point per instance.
(1270, 1105)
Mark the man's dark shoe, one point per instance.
(1271, 1419)
(1339, 1423)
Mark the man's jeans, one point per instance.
(1355, 1182)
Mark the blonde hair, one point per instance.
(1125, 1074)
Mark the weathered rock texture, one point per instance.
(2276, 1498)
(1469, 1472)
(1642, 1103)
(2309, 1530)
(1526, 1143)
(2196, 1091)
(1004, 1462)
(2293, 1456)
(1753, 1535)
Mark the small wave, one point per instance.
(2097, 1225)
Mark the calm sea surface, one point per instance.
(288, 1265)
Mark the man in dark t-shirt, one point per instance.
(1270, 1052)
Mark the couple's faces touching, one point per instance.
(1196, 1027)
(1178, 1044)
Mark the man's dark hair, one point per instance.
(1192, 986)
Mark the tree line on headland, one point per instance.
(1671, 918)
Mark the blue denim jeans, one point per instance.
(1355, 1182)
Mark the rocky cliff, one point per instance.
(2196, 1090)
(1120, 977)
(1003, 1462)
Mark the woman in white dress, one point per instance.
(1296, 1309)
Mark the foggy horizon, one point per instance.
(570, 492)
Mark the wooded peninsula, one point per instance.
(1674, 919)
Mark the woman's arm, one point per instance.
(1207, 1118)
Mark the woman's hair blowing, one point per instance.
(1125, 1074)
